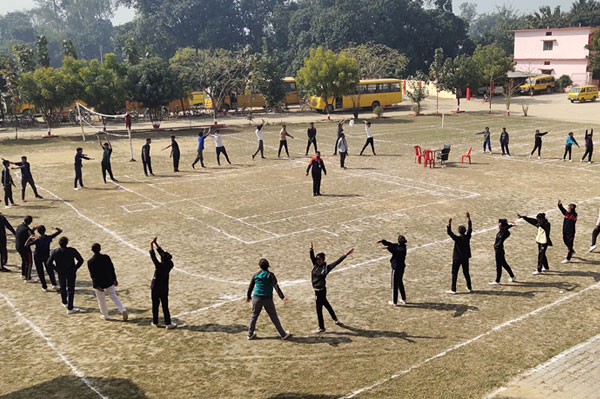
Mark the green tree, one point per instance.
(435, 70)
(594, 54)
(457, 75)
(417, 90)
(493, 64)
(69, 48)
(131, 51)
(328, 75)
(585, 13)
(377, 60)
(11, 92)
(41, 44)
(25, 56)
(497, 27)
(268, 79)
(547, 17)
(154, 84)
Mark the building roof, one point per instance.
(556, 29)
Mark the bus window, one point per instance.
(371, 88)
(395, 87)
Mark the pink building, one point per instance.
(554, 51)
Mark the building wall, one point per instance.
(577, 70)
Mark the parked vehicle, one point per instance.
(583, 93)
(538, 84)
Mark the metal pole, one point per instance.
(80, 121)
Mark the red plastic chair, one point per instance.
(467, 155)
(428, 157)
(418, 154)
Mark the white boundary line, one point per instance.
(52, 346)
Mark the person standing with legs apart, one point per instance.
(569, 146)
(160, 284)
(41, 255)
(4, 224)
(589, 146)
(538, 143)
(319, 273)
(340, 130)
(146, 158)
(398, 264)
(175, 154)
(26, 177)
(283, 134)
(542, 239)
(343, 150)
(501, 236)
(312, 137)
(568, 228)
(317, 165)
(259, 136)
(504, 138)
(461, 252)
(63, 261)
(79, 155)
(22, 234)
(7, 184)
(104, 281)
(486, 139)
(219, 147)
(106, 153)
(595, 233)
(200, 149)
(260, 292)
(369, 138)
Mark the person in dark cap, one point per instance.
(160, 284)
(501, 236)
(461, 252)
(260, 292)
(542, 239)
(398, 264)
(568, 228)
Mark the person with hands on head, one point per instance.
(160, 283)
(42, 253)
(106, 153)
(260, 292)
(104, 281)
(542, 239)
(398, 264)
(461, 252)
(66, 260)
(568, 228)
(319, 273)
(503, 233)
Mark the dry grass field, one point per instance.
(218, 222)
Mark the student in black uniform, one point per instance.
(41, 255)
(26, 177)
(7, 184)
(175, 154)
(589, 146)
(538, 143)
(568, 228)
(160, 284)
(22, 234)
(501, 236)
(319, 273)
(63, 260)
(312, 137)
(104, 281)
(340, 130)
(146, 158)
(461, 252)
(106, 153)
(260, 292)
(4, 224)
(317, 165)
(504, 139)
(542, 239)
(79, 155)
(398, 264)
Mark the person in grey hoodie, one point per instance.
(342, 147)
(504, 142)
(486, 139)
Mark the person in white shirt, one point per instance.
(260, 141)
(220, 147)
(595, 234)
(342, 148)
(369, 138)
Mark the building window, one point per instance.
(548, 33)
(548, 45)
(546, 62)
(546, 71)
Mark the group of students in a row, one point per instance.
(537, 145)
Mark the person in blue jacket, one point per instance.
(569, 145)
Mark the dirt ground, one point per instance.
(218, 222)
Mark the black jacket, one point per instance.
(21, 236)
(545, 225)
(5, 224)
(63, 260)
(569, 221)
(398, 252)
(319, 273)
(538, 137)
(160, 281)
(102, 271)
(462, 243)
(501, 236)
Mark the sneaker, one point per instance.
(319, 331)
(45, 289)
(31, 281)
(493, 283)
(74, 310)
(592, 248)
(570, 160)
(539, 158)
(153, 324)
(469, 290)
(401, 302)
(103, 317)
(450, 292)
(7, 206)
(286, 336)
(65, 305)
(251, 337)
(171, 326)
(590, 162)
(536, 273)
(563, 160)
(125, 315)
(338, 322)
(512, 279)
(55, 288)
(75, 188)
(529, 156)
(392, 303)
(565, 261)
(39, 196)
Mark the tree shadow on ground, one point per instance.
(297, 395)
(74, 387)
(578, 273)
(361, 332)
(561, 285)
(458, 308)
(526, 294)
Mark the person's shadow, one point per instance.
(459, 309)
(361, 332)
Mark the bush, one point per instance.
(378, 111)
(563, 82)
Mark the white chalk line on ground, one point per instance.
(542, 366)
(52, 346)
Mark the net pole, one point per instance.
(130, 145)
(80, 121)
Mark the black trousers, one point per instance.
(24, 183)
(501, 263)
(343, 156)
(369, 141)
(4, 253)
(200, 158)
(222, 150)
(316, 184)
(588, 151)
(569, 239)
(41, 262)
(538, 147)
(336, 143)
(321, 300)
(176, 157)
(66, 281)
(567, 150)
(78, 177)
(398, 284)
(313, 142)
(542, 259)
(594, 234)
(26, 262)
(260, 148)
(147, 165)
(106, 168)
(160, 297)
(456, 264)
(283, 144)
(8, 195)
(504, 146)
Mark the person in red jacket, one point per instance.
(317, 165)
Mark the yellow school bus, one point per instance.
(252, 98)
(369, 93)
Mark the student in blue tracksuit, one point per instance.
(569, 145)
(201, 137)
(461, 252)
(398, 251)
(260, 292)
